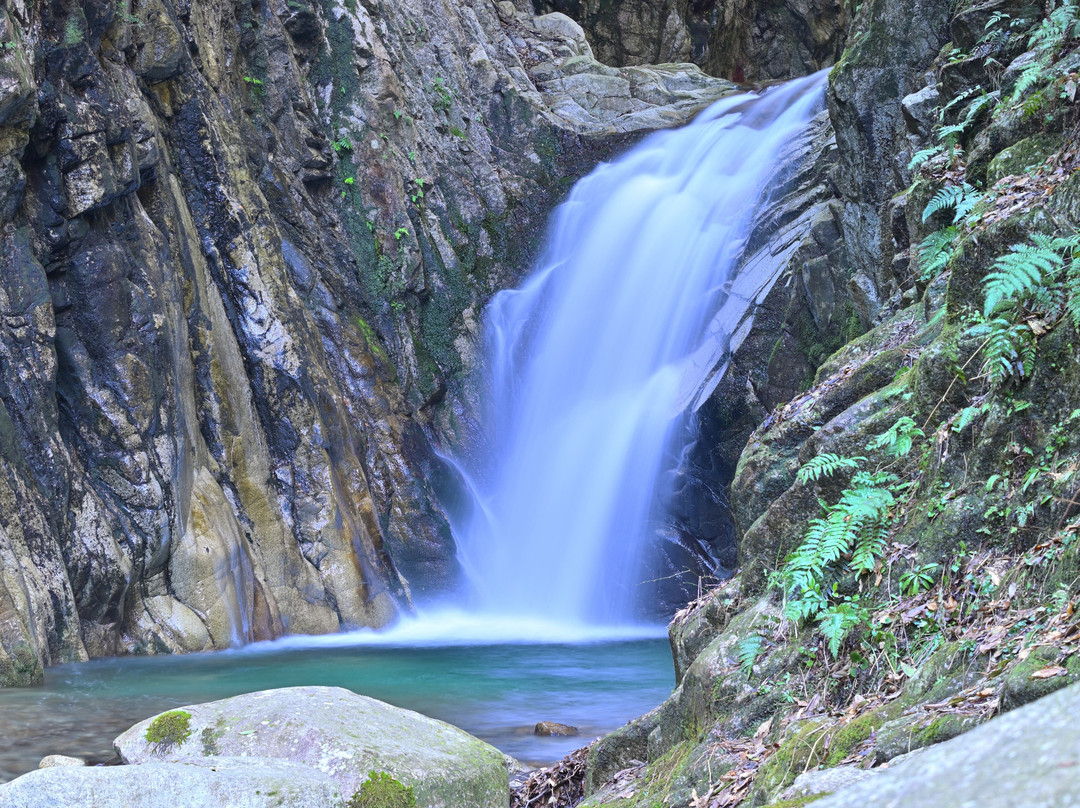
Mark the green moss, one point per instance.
(848, 737)
(169, 729)
(381, 790)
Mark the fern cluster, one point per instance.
(1061, 26)
(1027, 291)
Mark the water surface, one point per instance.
(495, 690)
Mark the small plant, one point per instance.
(916, 580)
(418, 191)
(456, 132)
(826, 465)
(748, 649)
(398, 306)
(380, 790)
(400, 233)
(443, 97)
(343, 143)
(169, 729)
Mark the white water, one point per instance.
(592, 362)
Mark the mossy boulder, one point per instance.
(342, 735)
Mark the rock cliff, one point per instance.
(245, 251)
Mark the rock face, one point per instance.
(244, 254)
(233, 782)
(340, 734)
(739, 39)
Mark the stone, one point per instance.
(342, 735)
(219, 782)
(1025, 757)
(49, 761)
(824, 781)
(549, 728)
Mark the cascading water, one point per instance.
(594, 361)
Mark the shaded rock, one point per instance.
(342, 735)
(554, 728)
(211, 783)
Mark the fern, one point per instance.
(1019, 272)
(951, 134)
(826, 465)
(837, 622)
(924, 156)
(967, 416)
(937, 251)
(961, 199)
(748, 650)
(1009, 351)
(897, 439)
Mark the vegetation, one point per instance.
(169, 729)
(381, 790)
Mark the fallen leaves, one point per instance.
(558, 786)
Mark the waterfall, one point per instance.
(594, 362)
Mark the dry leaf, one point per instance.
(1049, 672)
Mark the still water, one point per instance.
(495, 690)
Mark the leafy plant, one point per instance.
(400, 233)
(897, 439)
(443, 97)
(961, 199)
(748, 650)
(343, 143)
(418, 191)
(826, 465)
(916, 580)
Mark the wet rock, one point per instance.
(341, 735)
(549, 728)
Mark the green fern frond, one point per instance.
(1009, 351)
(897, 439)
(1017, 273)
(826, 465)
(924, 156)
(937, 251)
(961, 199)
(748, 650)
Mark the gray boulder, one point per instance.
(232, 782)
(1027, 757)
(340, 734)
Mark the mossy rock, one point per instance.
(1022, 157)
(911, 732)
(1020, 688)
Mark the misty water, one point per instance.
(594, 364)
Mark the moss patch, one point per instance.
(169, 729)
(381, 790)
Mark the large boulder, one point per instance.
(1026, 757)
(338, 733)
(235, 782)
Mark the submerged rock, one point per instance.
(341, 735)
(549, 728)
